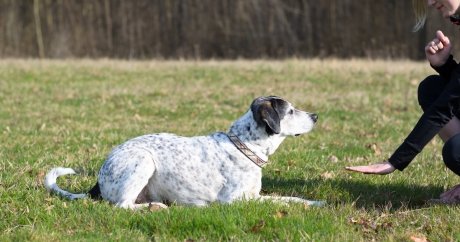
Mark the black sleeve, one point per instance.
(432, 120)
(446, 69)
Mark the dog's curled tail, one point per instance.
(50, 183)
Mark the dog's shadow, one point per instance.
(363, 194)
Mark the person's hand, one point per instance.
(438, 50)
(382, 168)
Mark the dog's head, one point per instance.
(278, 116)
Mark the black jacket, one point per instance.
(433, 119)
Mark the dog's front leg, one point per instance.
(292, 199)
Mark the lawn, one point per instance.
(73, 112)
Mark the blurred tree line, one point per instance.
(214, 29)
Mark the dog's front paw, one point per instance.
(315, 203)
(157, 206)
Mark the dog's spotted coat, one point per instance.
(165, 168)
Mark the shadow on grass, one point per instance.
(364, 194)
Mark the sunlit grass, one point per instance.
(72, 113)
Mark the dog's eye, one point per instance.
(291, 111)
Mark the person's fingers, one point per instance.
(430, 50)
(379, 168)
(432, 46)
(440, 46)
(357, 168)
(441, 37)
(364, 169)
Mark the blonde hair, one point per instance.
(420, 9)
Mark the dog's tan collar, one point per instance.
(246, 151)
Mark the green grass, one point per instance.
(72, 113)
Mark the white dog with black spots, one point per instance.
(160, 169)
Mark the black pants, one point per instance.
(428, 91)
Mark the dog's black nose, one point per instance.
(314, 117)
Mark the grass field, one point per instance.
(72, 113)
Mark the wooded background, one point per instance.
(219, 29)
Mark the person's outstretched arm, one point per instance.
(438, 54)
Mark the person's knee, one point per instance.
(429, 90)
(451, 153)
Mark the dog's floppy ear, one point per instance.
(269, 112)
